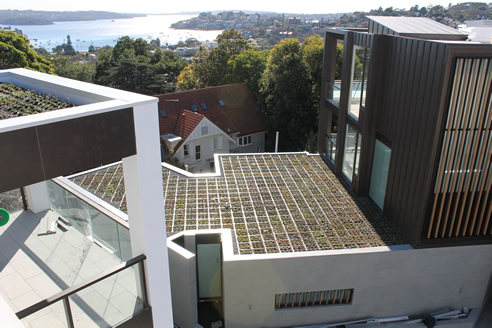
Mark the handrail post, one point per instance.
(68, 312)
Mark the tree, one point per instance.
(248, 67)
(66, 48)
(286, 97)
(65, 67)
(312, 55)
(134, 66)
(16, 51)
(212, 65)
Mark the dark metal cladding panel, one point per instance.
(84, 143)
(20, 160)
(413, 89)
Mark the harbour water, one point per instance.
(107, 32)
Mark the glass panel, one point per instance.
(90, 222)
(331, 138)
(105, 231)
(125, 245)
(349, 154)
(209, 270)
(365, 60)
(333, 91)
(109, 302)
(379, 175)
(51, 316)
(357, 155)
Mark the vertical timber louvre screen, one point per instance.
(462, 199)
(301, 299)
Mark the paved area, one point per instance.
(35, 265)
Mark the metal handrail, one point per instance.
(64, 295)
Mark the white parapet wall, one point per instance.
(386, 281)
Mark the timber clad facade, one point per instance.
(411, 129)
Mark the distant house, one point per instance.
(195, 125)
(294, 21)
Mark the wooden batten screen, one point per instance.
(462, 199)
(319, 298)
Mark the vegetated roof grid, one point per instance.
(16, 101)
(273, 203)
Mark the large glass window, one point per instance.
(379, 174)
(333, 88)
(360, 69)
(351, 153)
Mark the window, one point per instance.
(379, 174)
(186, 150)
(162, 112)
(331, 138)
(326, 297)
(333, 87)
(351, 153)
(197, 152)
(193, 108)
(359, 81)
(216, 142)
(204, 130)
(221, 103)
(203, 106)
(244, 141)
(365, 73)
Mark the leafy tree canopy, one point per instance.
(286, 96)
(211, 66)
(17, 52)
(133, 65)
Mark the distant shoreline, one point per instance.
(34, 17)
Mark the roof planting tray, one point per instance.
(273, 203)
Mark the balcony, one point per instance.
(53, 275)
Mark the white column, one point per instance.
(37, 197)
(145, 202)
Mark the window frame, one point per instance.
(198, 152)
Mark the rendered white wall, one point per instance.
(257, 141)
(182, 264)
(386, 283)
(144, 194)
(37, 197)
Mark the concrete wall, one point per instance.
(387, 282)
(182, 268)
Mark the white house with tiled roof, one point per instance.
(195, 140)
(195, 125)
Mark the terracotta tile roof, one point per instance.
(186, 122)
(237, 116)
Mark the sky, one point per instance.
(163, 7)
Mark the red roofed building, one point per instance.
(195, 125)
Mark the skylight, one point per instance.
(203, 106)
(221, 103)
(163, 113)
(193, 108)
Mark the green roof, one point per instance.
(15, 101)
(273, 203)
